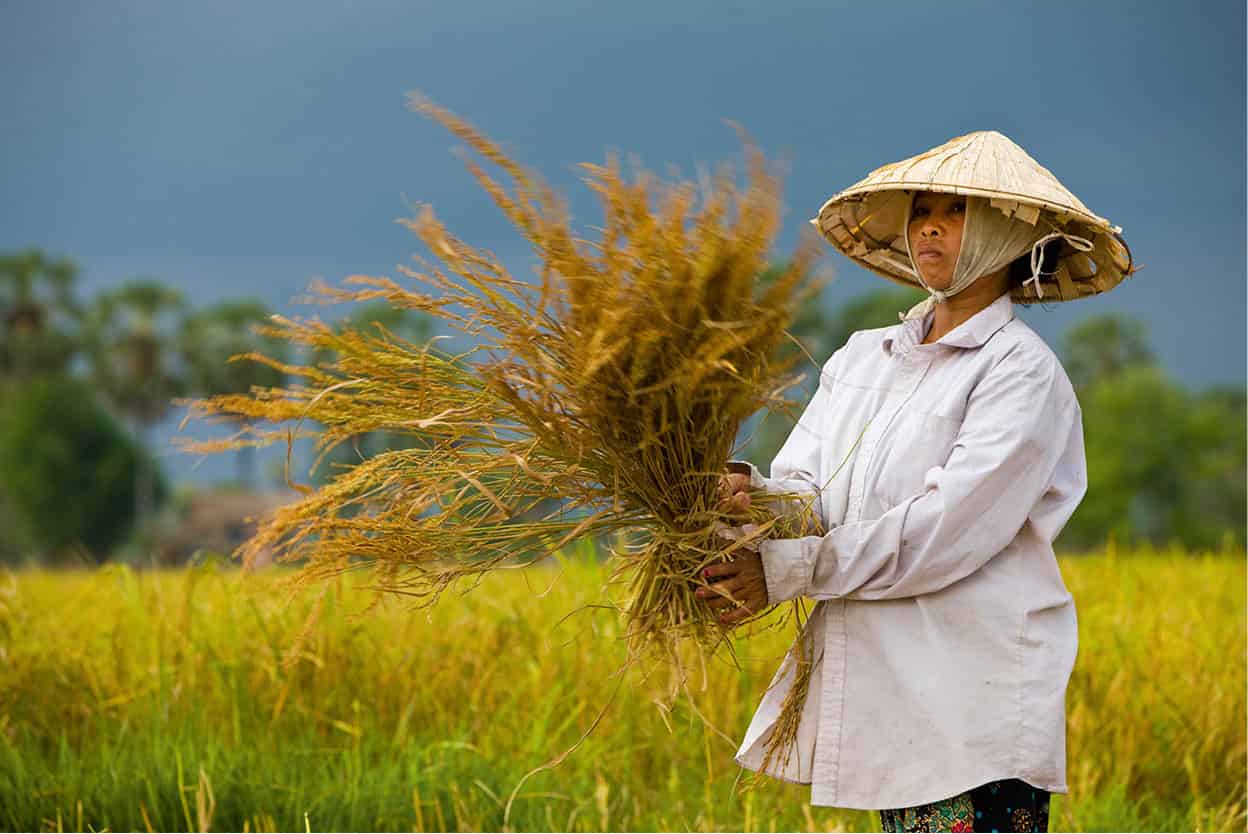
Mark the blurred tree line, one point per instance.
(83, 386)
(1165, 464)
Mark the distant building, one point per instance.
(216, 520)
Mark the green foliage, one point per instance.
(1130, 425)
(1215, 494)
(1102, 347)
(67, 471)
(1164, 463)
(27, 352)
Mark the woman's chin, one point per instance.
(941, 283)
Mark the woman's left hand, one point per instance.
(738, 588)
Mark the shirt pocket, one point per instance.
(915, 442)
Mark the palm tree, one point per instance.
(38, 315)
(131, 334)
(210, 338)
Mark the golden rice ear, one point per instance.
(604, 402)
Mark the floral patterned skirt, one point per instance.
(1004, 805)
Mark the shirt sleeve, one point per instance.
(1016, 427)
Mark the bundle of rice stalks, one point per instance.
(602, 401)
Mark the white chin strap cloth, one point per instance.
(991, 239)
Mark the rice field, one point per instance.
(160, 701)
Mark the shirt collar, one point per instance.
(972, 333)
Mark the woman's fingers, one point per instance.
(721, 579)
(737, 614)
(720, 570)
(733, 600)
(738, 588)
(738, 503)
(721, 597)
(732, 493)
(741, 606)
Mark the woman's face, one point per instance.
(936, 235)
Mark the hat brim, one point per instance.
(864, 224)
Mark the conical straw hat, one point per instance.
(864, 222)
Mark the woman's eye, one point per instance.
(958, 207)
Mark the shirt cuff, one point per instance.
(744, 467)
(788, 565)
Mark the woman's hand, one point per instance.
(733, 497)
(738, 588)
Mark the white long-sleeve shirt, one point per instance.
(943, 634)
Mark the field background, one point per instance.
(159, 701)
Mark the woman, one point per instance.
(943, 454)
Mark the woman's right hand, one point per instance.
(733, 495)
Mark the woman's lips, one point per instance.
(929, 256)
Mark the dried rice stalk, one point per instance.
(783, 741)
(613, 391)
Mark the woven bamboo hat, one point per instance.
(865, 222)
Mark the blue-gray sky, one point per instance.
(243, 147)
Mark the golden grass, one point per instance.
(126, 696)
